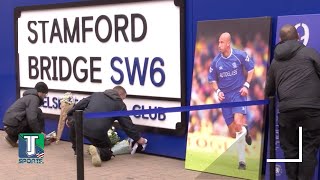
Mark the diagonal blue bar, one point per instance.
(174, 109)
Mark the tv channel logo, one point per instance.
(31, 148)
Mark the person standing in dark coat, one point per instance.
(24, 115)
(294, 77)
(96, 130)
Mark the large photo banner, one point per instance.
(92, 46)
(308, 27)
(230, 65)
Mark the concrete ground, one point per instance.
(59, 163)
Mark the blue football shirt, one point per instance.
(228, 71)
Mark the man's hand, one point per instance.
(142, 141)
(244, 91)
(221, 96)
(67, 123)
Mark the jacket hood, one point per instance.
(30, 92)
(287, 49)
(35, 93)
(112, 94)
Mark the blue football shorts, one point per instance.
(228, 113)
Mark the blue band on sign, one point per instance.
(174, 109)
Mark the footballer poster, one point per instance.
(230, 65)
(308, 27)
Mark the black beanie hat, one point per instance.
(41, 87)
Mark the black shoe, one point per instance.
(10, 142)
(248, 137)
(242, 166)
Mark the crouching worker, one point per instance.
(24, 115)
(96, 130)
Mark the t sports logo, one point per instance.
(31, 148)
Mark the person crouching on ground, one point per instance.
(96, 130)
(24, 115)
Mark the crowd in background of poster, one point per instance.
(209, 147)
(308, 28)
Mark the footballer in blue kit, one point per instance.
(231, 83)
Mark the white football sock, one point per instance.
(241, 142)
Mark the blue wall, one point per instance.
(196, 10)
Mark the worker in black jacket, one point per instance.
(96, 130)
(24, 115)
(294, 77)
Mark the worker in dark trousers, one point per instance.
(294, 77)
